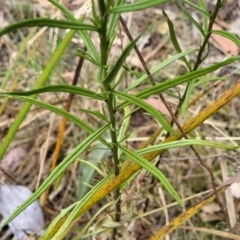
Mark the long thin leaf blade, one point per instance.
(152, 169)
(114, 71)
(61, 88)
(124, 127)
(175, 41)
(198, 8)
(159, 67)
(47, 22)
(60, 169)
(95, 113)
(84, 34)
(191, 19)
(185, 78)
(148, 108)
(187, 99)
(57, 110)
(184, 143)
(228, 35)
(179, 80)
(113, 20)
(70, 219)
(207, 79)
(140, 5)
(204, 16)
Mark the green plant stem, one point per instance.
(201, 50)
(104, 44)
(103, 47)
(208, 35)
(114, 149)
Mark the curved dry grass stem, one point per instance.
(179, 220)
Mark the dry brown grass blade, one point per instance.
(224, 235)
(179, 220)
(114, 183)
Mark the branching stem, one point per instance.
(174, 115)
(196, 66)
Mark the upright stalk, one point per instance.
(199, 60)
(201, 50)
(104, 45)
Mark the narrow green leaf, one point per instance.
(64, 10)
(57, 110)
(153, 170)
(159, 67)
(87, 56)
(87, 169)
(195, 6)
(187, 98)
(113, 20)
(61, 88)
(84, 232)
(72, 216)
(54, 222)
(223, 2)
(95, 113)
(124, 127)
(90, 46)
(140, 5)
(148, 108)
(60, 169)
(114, 71)
(84, 35)
(183, 143)
(204, 16)
(179, 80)
(191, 19)
(47, 22)
(175, 41)
(120, 78)
(230, 36)
(96, 17)
(203, 80)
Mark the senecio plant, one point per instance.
(106, 19)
